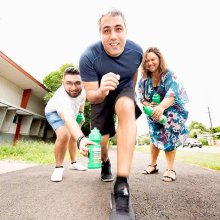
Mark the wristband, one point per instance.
(79, 140)
(81, 112)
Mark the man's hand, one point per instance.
(83, 149)
(109, 82)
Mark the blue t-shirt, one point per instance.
(95, 62)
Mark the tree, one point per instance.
(113, 140)
(53, 81)
(144, 139)
(216, 130)
(197, 125)
(87, 114)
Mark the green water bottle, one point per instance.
(149, 110)
(156, 98)
(79, 118)
(95, 150)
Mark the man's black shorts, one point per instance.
(102, 115)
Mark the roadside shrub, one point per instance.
(113, 140)
(217, 137)
(204, 141)
(143, 141)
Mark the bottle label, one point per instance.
(96, 155)
(163, 120)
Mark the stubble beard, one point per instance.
(74, 96)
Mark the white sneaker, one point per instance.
(77, 166)
(57, 175)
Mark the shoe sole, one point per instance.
(107, 180)
(110, 203)
(56, 180)
(77, 169)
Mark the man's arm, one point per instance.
(93, 92)
(96, 94)
(135, 79)
(81, 107)
(68, 117)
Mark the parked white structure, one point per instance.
(21, 104)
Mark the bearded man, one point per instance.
(61, 112)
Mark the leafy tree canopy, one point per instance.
(216, 129)
(54, 80)
(197, 125)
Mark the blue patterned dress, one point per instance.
(174, 132)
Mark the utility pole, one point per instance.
(211, 125)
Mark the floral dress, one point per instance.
(174, 132)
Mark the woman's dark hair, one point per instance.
(162, 66)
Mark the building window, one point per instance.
(15, 120)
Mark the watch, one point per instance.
(81, 112)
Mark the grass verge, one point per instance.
(202, 159)
(37, 152)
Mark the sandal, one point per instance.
(153, 171)
(168, 178)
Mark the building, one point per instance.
(21, 104)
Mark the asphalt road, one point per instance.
(28, 194)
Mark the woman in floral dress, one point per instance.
(157, 78)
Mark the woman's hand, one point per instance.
(158, 112)
(153, 104)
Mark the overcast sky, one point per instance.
(42, 35)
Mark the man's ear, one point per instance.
(63, 82)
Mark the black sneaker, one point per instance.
(106, 174)
(121, 205)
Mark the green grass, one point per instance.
(43, 153)
(203, 159)
(36, 152)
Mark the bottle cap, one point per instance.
(156, 98)
(95, 135)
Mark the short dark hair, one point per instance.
(70, 71)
